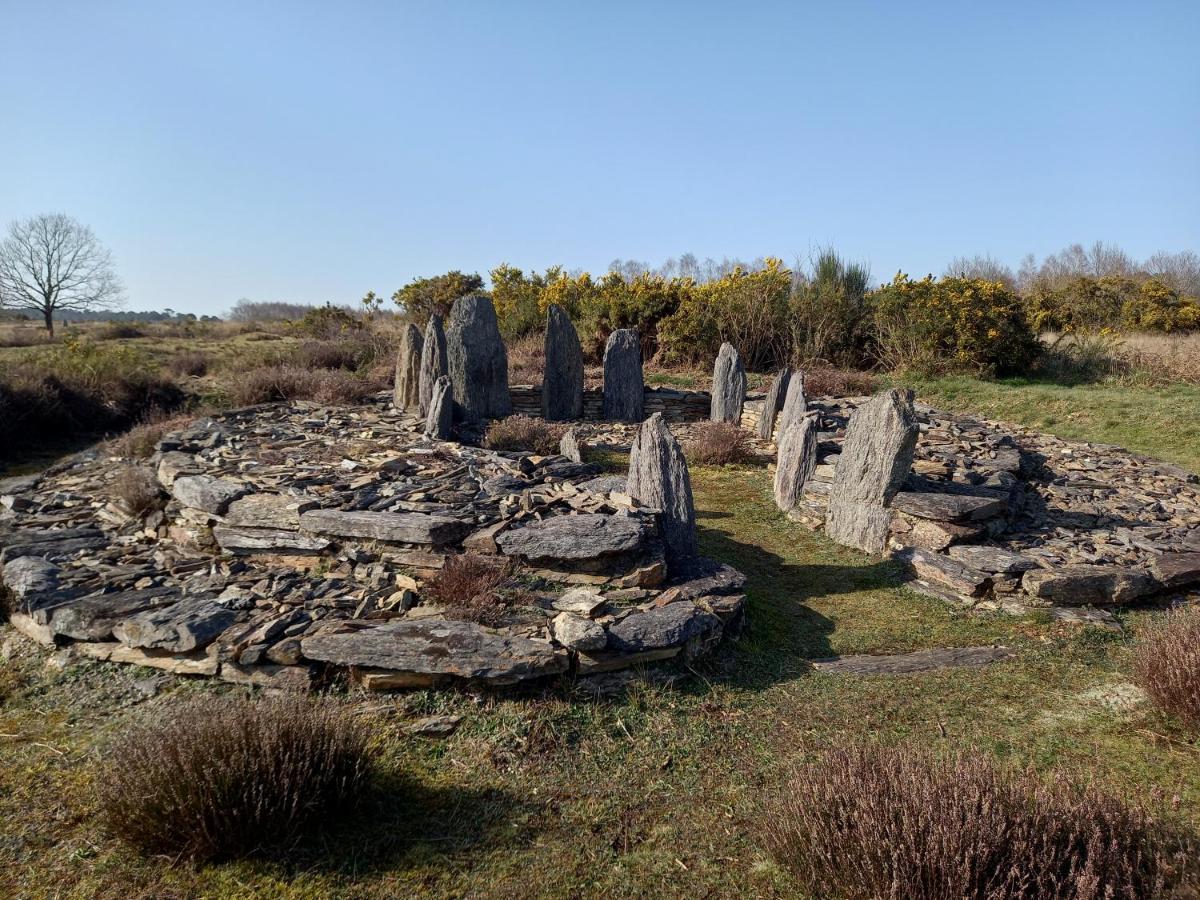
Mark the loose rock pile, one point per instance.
(295, 540)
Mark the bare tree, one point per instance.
(53, 264)
(982, 266)
(1179, 270)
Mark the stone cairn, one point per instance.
(562, 378)
(408, 370)
(728, 386)
(477, 360)
(624, 388)
(433, 361)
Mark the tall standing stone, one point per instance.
(406, 394)
(433, 360)
(624, 389)
(774, 402)
(439, 421)
(795, 461)
(876, 458)
(728, 386)
(794, 405)
(562, 378)
(478, 362)
(658, 477)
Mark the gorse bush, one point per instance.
(873, 822)
(1166, 664)
(1083, 303)
(961, 325)
(328, 322)
(225, 777)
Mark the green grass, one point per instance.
(657, 791)
(1163, 422)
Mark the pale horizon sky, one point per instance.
(310, 152)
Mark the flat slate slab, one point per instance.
(662, 626)
(406, 528)
(568, 539)
(51, 543)
(1083, 585)
(1177, 569)
(949, 507)
(268, 511)
(92, 618)
(918, 661)
(190, 624)
(991, 559)
(437, 647)
(247, 541)
(203, 492)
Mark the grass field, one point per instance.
(656, 791)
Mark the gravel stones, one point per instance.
(624, 387)
(562, 378)
(728, 386)
(477, 360)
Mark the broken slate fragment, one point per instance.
(190, 624)
(664, 626)
(203, 492)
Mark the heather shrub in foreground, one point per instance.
(902, 822)
(524, 433)
(1166, 663)
(225, 777)
(718, 444)
(470, 587)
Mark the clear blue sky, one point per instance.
(312, 151)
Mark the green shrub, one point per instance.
(422, 297)
(965, 325)
(829, 313)
(223, 777)
(328, 322)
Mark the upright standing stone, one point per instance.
(774, 402)
(658, 477)
(728, 386)
(569, 447)
(794, 405)
(433, 360)
(439, 421)
(795, 461)
(876, 458)
(478, 362)
(408, 370)
(562, 377)
(624, 389)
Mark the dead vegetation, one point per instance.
(524, 433)
(1167, 663)
(470, 587)
(138, 491)
(718, 444)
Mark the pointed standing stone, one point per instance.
(433, 360)
(562, 377)
(624, 389)
(728, 386)
(439, 421)
(795, 462)
(876, 458)
(774, 402)
(794, 405)
(569, 446)
(408, 370)
(478, 362)
(658, 477)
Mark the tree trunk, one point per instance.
(48, 314)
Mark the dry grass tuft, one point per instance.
(1166, 663)
(902, 822)
(138, 491)
(524, 433)
(526, 359)
(334, 387)
(222, 778)
(141, 440)
(718, 444)
(470, 587)
(826, 381)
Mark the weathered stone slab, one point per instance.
(205, 493)
(246, 541)
(92, 618)
(662, 626)
(624, 386)
(437, 647)
(567, 539)
(52, 543)
(929, 566)
(439, 421)
(795, 404)
(598, 662)
(908, 663)
(1088, 584)
(433, 361)
(795, 461)
(773, 403)
(578, 633)
(268, 511)
(190, 624)
(875, 459)
(406, 391)
(33, 582)
(562, 374)
(569, 446)
(991, 559)
(728, 386)
(701, 577)
(196, 662)
(1177, 569)
(405, 528)
(957, 508)
(478, 362)
(658, 478)
(911, 531)
(175, 463)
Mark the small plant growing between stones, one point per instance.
(138, 491)
(472, 587)
(222, 778)
(524, 433)
(718, 444)
(1166, 664)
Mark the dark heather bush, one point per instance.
(904, 823)
(826, 381)
(470, 587)
(270, 383)
(225, 777)
(1166, 664)
(189, 362)
(524, 433)
(717, 444)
